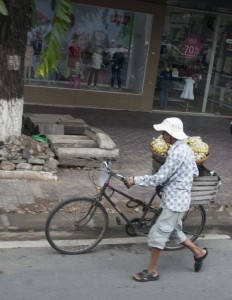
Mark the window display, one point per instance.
(186, 44)
(201, 64)
(105, 49)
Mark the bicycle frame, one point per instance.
(146, 207)
(87, 217)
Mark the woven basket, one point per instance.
(161, 159)
(201, 161)
(157, 157)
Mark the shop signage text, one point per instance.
(120, 19)
(191, 47)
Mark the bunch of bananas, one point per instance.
(160, 146)
(200, 149)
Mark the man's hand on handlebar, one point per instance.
(129, 181)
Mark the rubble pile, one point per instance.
(24, 153)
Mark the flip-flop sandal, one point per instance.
(145, 276)
(199, 261)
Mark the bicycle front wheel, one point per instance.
(76, 226)
(193, 225)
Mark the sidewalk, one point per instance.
(132, 132)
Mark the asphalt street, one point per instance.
(105, 273)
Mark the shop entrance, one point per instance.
(195, 66)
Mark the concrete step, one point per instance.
(48, 118)
(85, 162)
(47, 128)
(69, 139)
(58, 124)
(87, 153)
(73, 141)
(80, 144)
(74, 126)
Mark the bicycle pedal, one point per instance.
(142, 233)
(118, 221)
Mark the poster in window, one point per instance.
(92, 29)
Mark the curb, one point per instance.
(31, 223)
(43, 243)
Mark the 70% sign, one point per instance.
(191, 47)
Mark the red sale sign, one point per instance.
(191, 47)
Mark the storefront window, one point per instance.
(106, 49)
(191, 55)
(184, 54)
(220, 93)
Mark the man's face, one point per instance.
(166, 136)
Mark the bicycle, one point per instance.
(77, 225)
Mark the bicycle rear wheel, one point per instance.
(76, 226)
(193, 224)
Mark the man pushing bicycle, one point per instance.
(176, 176)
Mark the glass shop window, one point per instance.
(185, 52)
(106, 49)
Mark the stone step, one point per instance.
(60, 138)
(58, 124)
(48, 128)
(86, 153)
(85, 162)
(48, 118)
(73, 141)
(80, 144)
(103, 140)
(74, 126)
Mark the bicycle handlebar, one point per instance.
(159, 188)
(116, 175)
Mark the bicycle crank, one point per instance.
(136, 227)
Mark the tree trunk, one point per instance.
(13, 38)
(11, 112)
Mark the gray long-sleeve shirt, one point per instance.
(176, 175)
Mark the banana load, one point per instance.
(200, 149)
(160, 146)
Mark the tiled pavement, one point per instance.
(133, 131)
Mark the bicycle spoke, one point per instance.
(76, 226)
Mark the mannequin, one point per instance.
(165, 85)
(73, 52)
(76, 75)
(28, 62)
(117, 65)
(187, 93)
(97, 61)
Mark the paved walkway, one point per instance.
(132, 132)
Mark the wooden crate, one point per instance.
(205, 188)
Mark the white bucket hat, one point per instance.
(172, 126)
